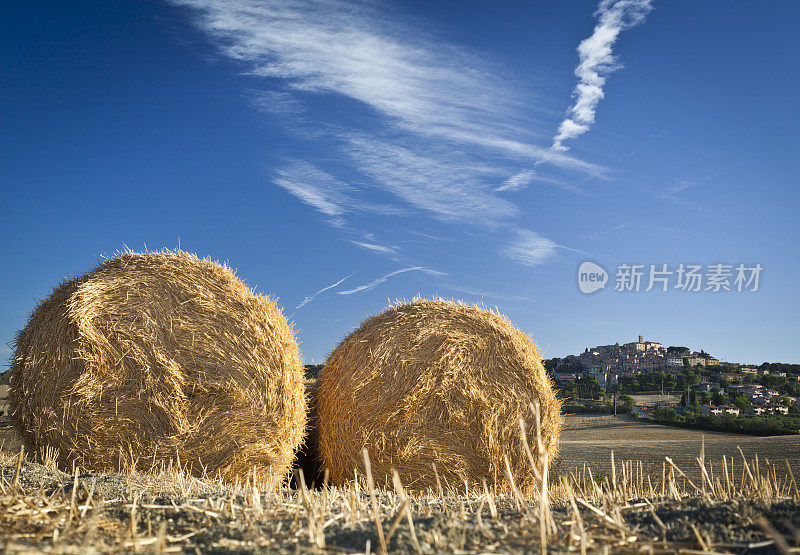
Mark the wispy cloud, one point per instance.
(314, 296)
(355, 50)
(489, 294)
(314, 187)
(442, 184)
(330, 196)
(597, 61)
(528, 248)
(429, 236)
(678, 186)
(374, 247)
(673, 192)
(373, 284)
(275, 102)
(427, 127)
(421, 88)
(518, 181)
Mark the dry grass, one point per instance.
(436, 390)
(44, 509)
(160, 359)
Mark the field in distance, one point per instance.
(590, 439)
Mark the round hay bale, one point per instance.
(160, 357)
(434, 382)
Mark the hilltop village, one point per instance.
(697, 382)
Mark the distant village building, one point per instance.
(773, 408)
(605, 379)
(718, 409)
(770, 409)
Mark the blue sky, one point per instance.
(341, 155)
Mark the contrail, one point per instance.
(312, 297)
(596, 62)
(373, 284)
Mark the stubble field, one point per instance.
(45, 510)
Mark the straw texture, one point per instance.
(434, 382)
(160, 357)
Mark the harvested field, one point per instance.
(590, 439)
(45, 510)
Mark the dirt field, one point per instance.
(590, 440)
(651, 400)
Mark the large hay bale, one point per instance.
(160, 357)
(435, 382)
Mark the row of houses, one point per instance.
(772, 408)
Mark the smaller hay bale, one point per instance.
(157, 359)
(435, 382)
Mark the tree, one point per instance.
(678, 350)
(741, 402)
(719, 397)
(665, 414)
(551, 363)
(587, 387)
(626, 403)
(567, 389)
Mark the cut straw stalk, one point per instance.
(376, 513)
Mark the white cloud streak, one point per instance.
(678, 186)
(374, 247)
(518, 181)
(328, 195)
(314, 296)
(375, 283)
(597, 61)
(528, 248)
(273, 102)
(349, 48)
(314, 187)
(489, 294)
(439, 183)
